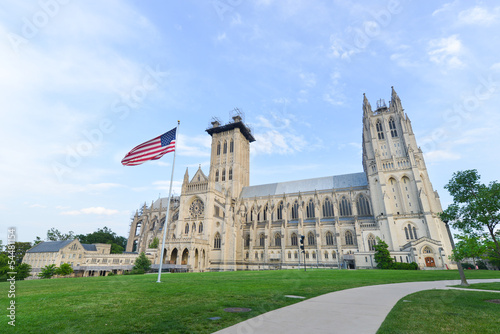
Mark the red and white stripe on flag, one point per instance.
(153, 149)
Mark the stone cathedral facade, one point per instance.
(220, 222)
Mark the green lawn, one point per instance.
(183, 302)
(482, 286)
(444, 311)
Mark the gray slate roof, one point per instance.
(89, 247)
(308, 185)
(49, 246)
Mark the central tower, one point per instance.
(230, 157)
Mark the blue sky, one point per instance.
(82, 83)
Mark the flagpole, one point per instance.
(168, 205)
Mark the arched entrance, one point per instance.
(173, 256)
(185, 256)
(196, 258)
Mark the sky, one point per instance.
(83, 82)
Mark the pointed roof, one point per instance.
(199, 176)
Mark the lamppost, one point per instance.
(459, 265)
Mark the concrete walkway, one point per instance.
(358, 310)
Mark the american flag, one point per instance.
(153, 149)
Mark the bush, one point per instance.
(405, 266)
(134, 272)
(468, 266)
(64, 269)
(111, 274)
(142, 263)
(48, 271)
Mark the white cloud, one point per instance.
(37, 206)
(478, 15)
(445, 8)
(446, 51)
(194, 146)
(441, 155)
(91, 211)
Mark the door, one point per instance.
(429, 262)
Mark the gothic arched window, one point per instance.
(311, 239)
(348, 238)
(328, 208)
(230, 175)
(217, 241)
(392, 127)
(294, 239)
(277, 239)
(262, 240)
(345, 207)
(231, 146)
(217, 175)
(247, 241)
(218, 148)
(279, 211)
(295, 210)
(223, 177)
(380, 130)
(225, 147)
(363, 206)
(329, 238)
(264, 214)
(186, 229)
(310, 209)
(371, 242)
(200, 228)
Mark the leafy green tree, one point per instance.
(37, 241)
(142, 263)
(48, 271)
(64, 269)
(23, 270)
(104, 236)
(20, 249)
(55, 235)
(469, 247)
(382, 255)
(154, 243)
(476, 206)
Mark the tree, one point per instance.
(154, 243)
(142, 263)
(104, 236)
(64, 269)
(19, 248)
(382, 255)
(23, 270)
(37, 241)
(476, 206)
(48, 271)
(469, 246)
(55, 235)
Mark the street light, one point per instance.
(459, 265)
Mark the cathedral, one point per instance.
(220, 222)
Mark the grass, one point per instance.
(444, 311)
(482, 286)
(183, 302)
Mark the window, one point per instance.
(223, 177)
(218, 148)
(294, 239)
(193, 228)
(314, 255)
(217, 175)
(326, 255)
(279, 211)
(217, 241)
(289, 255)
(392, 127)
(262, 240)
(334, 255)
(410, 232)
(327, 208)
(371, 242)
(310, 209)
(200, 228)
(230, 175)
(186, 229)
(307, 255)
(329, 238)
(311, 239)
(264, 214)
(345, 207)
(348, 238)
(225, 147)
(363, 206)
(380, 130)
(247, 241)
(295, 255)
(277, 239)
(295, 210)
(231, 146)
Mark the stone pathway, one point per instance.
(357, 311)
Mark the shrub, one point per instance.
(134, 272)
(405, 266)
(142, 262)
(48, 271)
(111, 274)
(64, 269)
